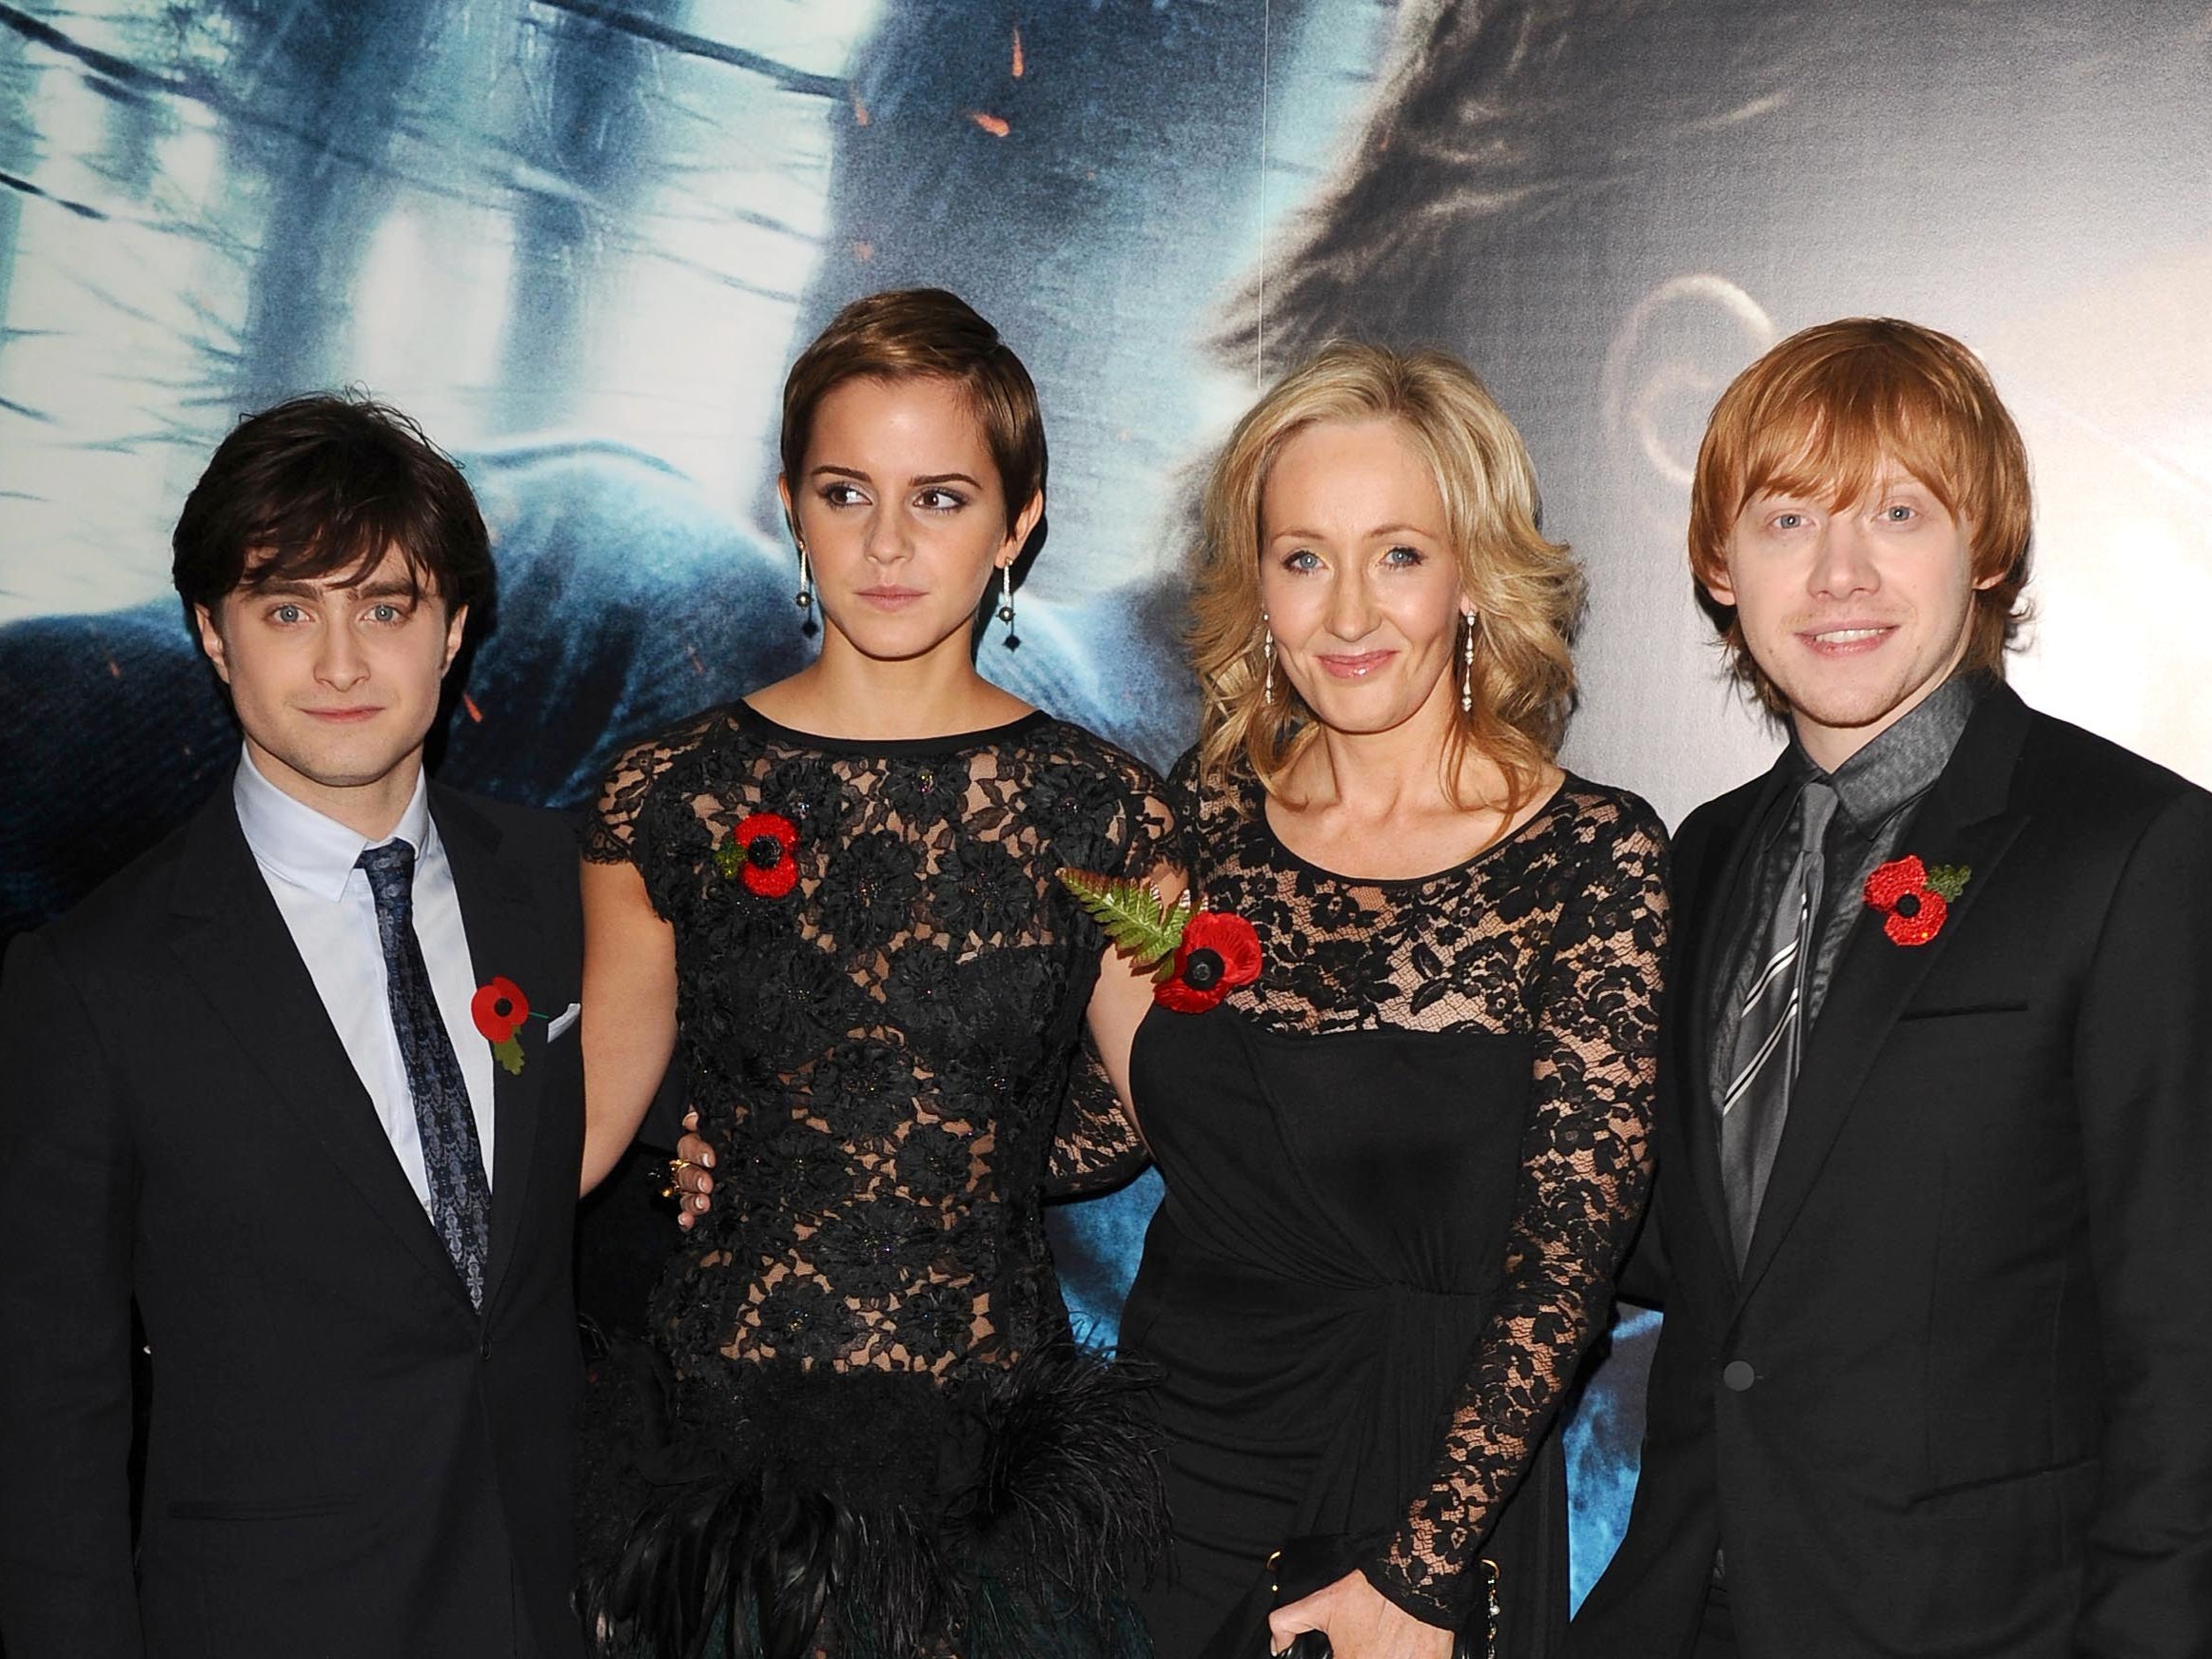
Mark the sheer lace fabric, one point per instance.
(1556, 933)
(879, 1054)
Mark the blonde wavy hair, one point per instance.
(1527, 592)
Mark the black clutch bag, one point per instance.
(1314, 1562)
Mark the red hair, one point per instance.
(1821, 412)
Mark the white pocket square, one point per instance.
(562, 1022)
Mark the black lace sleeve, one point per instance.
(1154, 838)
(1586, 1164)
(1183, 801)
(614, 833)
(1097, 1148)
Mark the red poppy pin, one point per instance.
(1197, 957)
(499, 1009)
(1914, 900)
(758, 852)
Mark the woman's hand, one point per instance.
(1360, 1622)
(690, 1181)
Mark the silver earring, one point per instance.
(1467, 666)
(804, 598)
(1267, 654)
(1005, 605)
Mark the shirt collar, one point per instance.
(289, 838)
(1903, 762)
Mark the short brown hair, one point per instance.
(1819, 414)
(923, 333)
(327, 485)
(1527, 591)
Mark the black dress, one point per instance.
(1400, 1166)
(863, 1427)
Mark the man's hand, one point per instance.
(1360, 1622)
(689, 1181)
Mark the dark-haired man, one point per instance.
(252, 1084)
(1936, 1101)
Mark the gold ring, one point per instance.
(677, 1165)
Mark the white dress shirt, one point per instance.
(308, 861)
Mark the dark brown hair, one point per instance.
(918, 333)
(1820, 413)
(326, 486)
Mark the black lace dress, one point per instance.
(1400, 1166)
(863, 1428)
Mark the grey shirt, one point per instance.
(1876, 790)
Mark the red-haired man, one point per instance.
(1936, 1370)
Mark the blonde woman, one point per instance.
(1401, 1160)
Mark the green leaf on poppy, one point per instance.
(1142, 927)
(1948, 880)
(729, 857)
(509, 1054)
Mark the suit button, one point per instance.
(485, 1351)
(1738, 1374)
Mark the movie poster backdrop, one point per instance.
(581, 238)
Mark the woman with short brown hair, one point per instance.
(864, 1429)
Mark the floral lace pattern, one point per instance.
(1097, 1148)
(1557, 931)
(879, 1054)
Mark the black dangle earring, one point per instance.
(804, 598)
(1005, 605)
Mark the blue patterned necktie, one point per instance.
(460, 1198)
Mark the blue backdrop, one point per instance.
(580, 240)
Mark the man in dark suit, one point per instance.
(1935, 1376)
(253, 1086)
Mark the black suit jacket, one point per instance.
(343, 1458)
(1959, 1399)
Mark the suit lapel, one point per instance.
(237, 952)
(1963, 821)
(1710, 914)
(503, 939)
